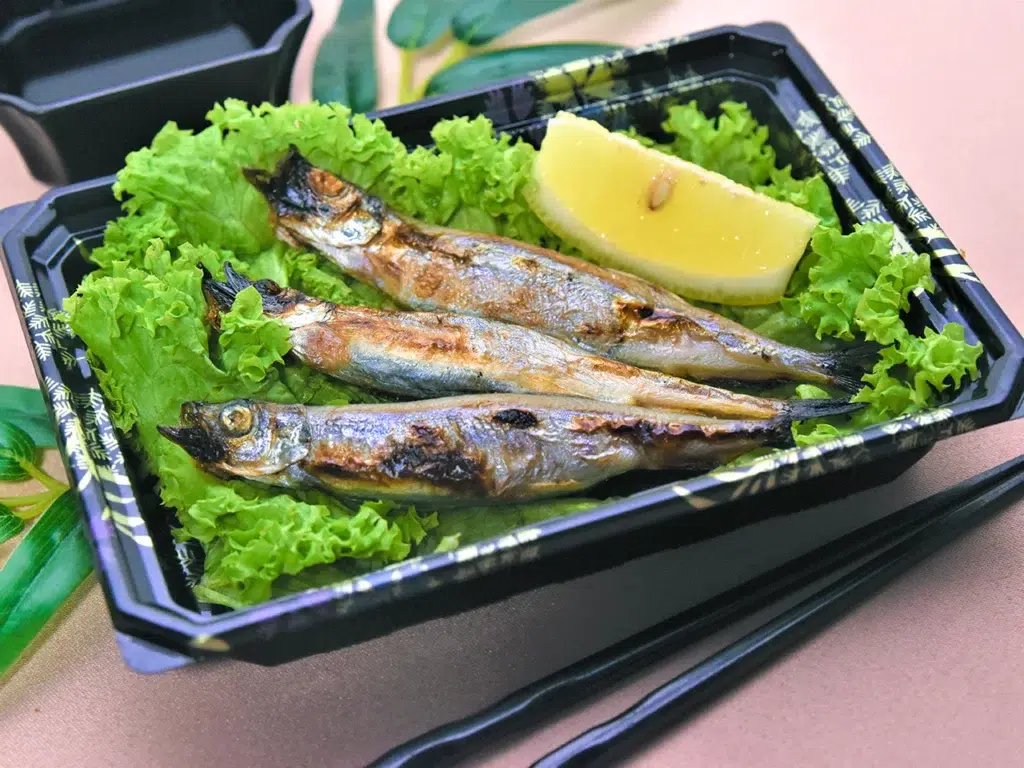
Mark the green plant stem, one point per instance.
(410, 92)
(21, 501)
(457, 52)
(37, 474)
(405, 77)
(38, 508)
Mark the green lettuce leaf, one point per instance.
(844, 267)
(733, 144)
(186, 203)
(878, 310)
(812, 194)
(467, 525)
(251, 542)
(251, 343)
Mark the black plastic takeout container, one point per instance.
(85, 82)
(145, 578)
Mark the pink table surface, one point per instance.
(930, 672)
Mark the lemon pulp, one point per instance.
(639, 210)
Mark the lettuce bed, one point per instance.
(141, 314)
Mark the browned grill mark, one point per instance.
(385, 266)
(346, 467)
(527, 263)
(651, 323)
(613, 367)
(325, 346)
(325, 182)
(406, 234)
(429, 279)
(640, 429)
(591, 329)
(516, 417)
(427, 454)
(329, 342)
(444, 247)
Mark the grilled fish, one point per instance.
(604, 311)
(431, 354)
(468, 449)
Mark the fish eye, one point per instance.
(236, 420)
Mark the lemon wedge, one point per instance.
(693, 231)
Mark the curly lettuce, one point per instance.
(186, 204)
(732, 144)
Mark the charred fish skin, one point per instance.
(602, 310)
(433, 354)
(465, 449)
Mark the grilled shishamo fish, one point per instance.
(607, 312)
(430, 354)
(471, 448)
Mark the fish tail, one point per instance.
(779, 432)
(846, 367)
(221, 295)
(801, 410)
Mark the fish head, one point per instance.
(242, 438)
(312, 206)
(279, 302)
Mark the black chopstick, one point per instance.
(567, 687)
(701, 684)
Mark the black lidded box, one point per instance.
(85, 82)
(159, 623)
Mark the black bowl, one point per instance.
(84, 83)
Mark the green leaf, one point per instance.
(16, 447)
(448, 543)
(732, 144)
(10, 524)
(416, 24)
(845, 267)
(251, 342)
(44, 569)
(478, 22)
(26, 408)
(345, 70)
(509, 62)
